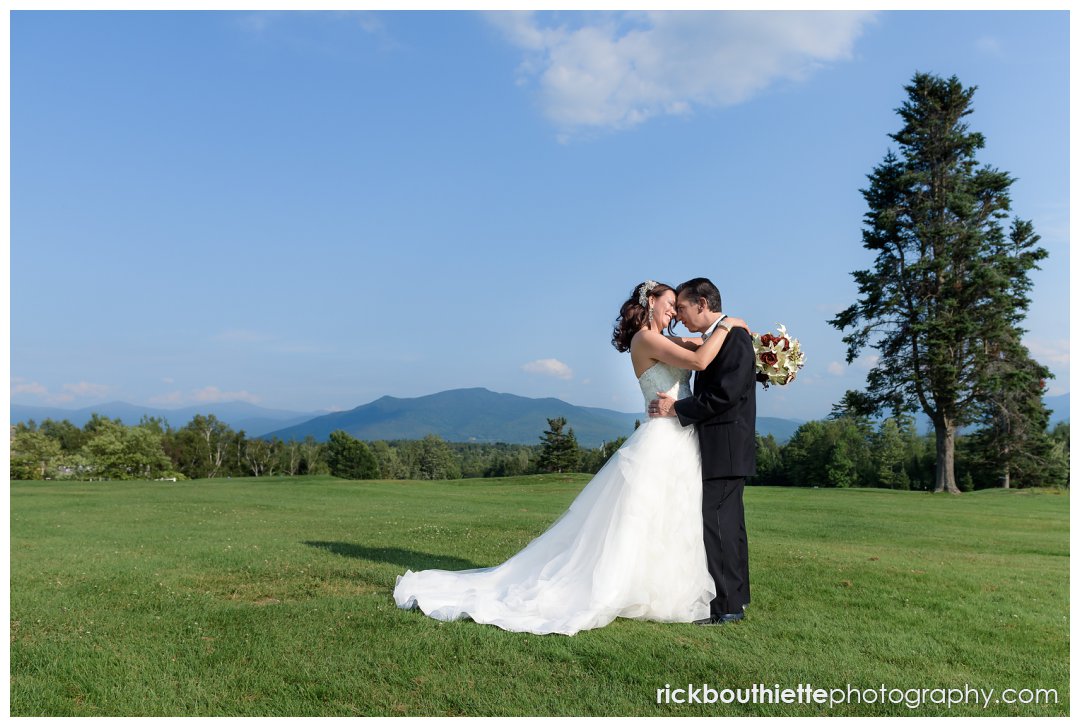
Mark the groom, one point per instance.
(723, 409)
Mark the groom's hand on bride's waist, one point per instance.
(662, 406)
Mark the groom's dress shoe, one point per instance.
(721, 619)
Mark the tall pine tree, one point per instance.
(1013, 442)
(559, 450)
(946, 283)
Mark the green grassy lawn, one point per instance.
(273, 597)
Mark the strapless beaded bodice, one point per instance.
(664, 377)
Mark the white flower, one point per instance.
(789, 357)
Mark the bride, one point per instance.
(630, 545)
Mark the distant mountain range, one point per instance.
(480, 415)
(458, 415)
(1059, 408)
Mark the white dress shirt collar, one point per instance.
(712, 328)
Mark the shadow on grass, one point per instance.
(398, 556)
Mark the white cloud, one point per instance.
(370, 22)
(316, 32)
(617, 70)
(173, 397)
(1049, 352)
(29, 387)
(549, 367)
(989, 44)
(69, 392)
(868, 361)
(836, 368)
(85, 388)
(205, 395)
(210, 394)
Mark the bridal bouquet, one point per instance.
(778, 358)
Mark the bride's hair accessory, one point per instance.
(634, 313)
(643, 295)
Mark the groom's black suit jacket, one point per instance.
(724, 409)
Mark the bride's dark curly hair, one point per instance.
(632, 316)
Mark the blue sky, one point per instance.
(311, 210)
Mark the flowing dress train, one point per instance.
(630, 544)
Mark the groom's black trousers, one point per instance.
(725, 543)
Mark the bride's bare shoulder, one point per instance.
(691, 344)
(644, 337)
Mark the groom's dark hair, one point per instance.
(701, 288)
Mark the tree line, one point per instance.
(207, 447)
(852, 451)
(844, 450)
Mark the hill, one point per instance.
(1059, 408)
(481, 415)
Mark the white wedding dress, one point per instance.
(630, 544)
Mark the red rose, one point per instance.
(767, 340)
(768, 358)
(787, 343)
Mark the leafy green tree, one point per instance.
(510, 464)
(313, 457)
(350, 458)
(390, 465)
(33, 455)
(155, 424)
(841, 469)
(434, 460)
(770, 462)
(97, 422)
(805, 454)
(207, 447)
(593, 460)
(67, 435)
(889, 450)
(117, 452)
(830, 453)
(105, 452)
(1013, 442)
(559, 450)
(146, 458)
(945, 278)
(1058, 473)
(262, 456)
(289, 458)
